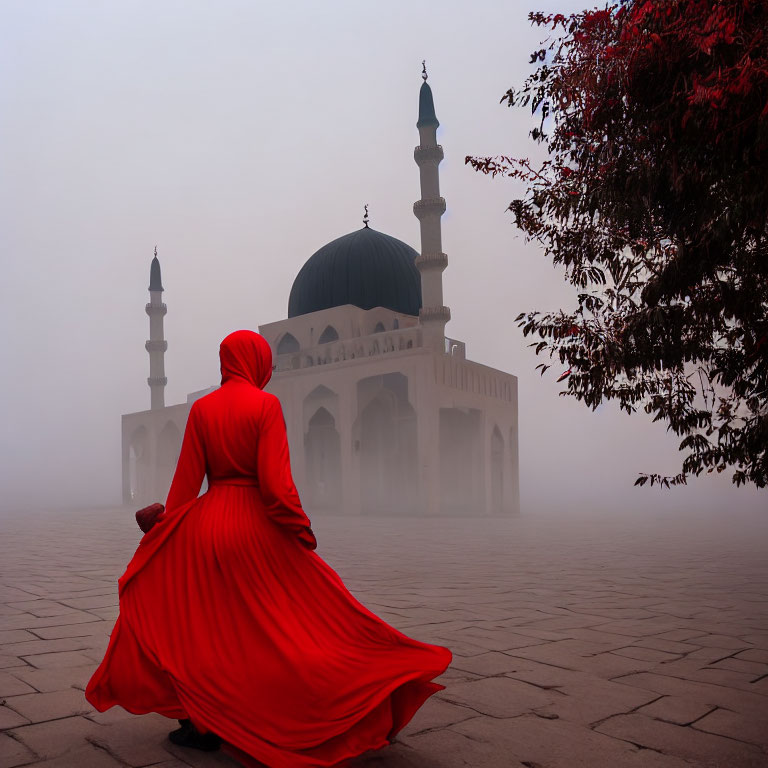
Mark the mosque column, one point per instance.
(486, 431)
(350, 459)
(156, 344)
(433, 315)
(427, 406)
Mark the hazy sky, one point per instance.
(240, 137)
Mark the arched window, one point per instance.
(379, 328)
(287, 345)
(329, 334)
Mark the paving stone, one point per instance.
(645, 654)
(15, 636)
(93, 601)
(62, 659)
(669, 646)
(609, 665)
(714, 695)
(55, 679)
(753, 729)
(436, 713)
(558, 744)
(687, 743)
(7, 662)
(9, 718)
(12, 753)
(87, 756)
(449, 749)
(27, 621)
(57, 737)
(12, 686)
(709, 655)
(38, 646)
(39, 707)
(42, 608)
(498, 696)
(492, 663)
(721, 641)
(681, 635)
(590, 701)
(676, 709)
(74, 630)
(753, 654)
(136, 742)
(752, 668)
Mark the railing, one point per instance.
(381, 343)
(452, 371)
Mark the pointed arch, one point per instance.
(385, 430)
(287, 345)
(328, 335)
(322, 455)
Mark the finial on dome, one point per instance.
(155, 283)
(365, 216)
(424, 70)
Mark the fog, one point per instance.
(240, 137)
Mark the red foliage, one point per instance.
(654, 197)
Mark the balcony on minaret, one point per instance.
(155, 381)
(156, 345)
(428, 155)
(429, 206)
(431, 261)
(156, 309)
(434, 314)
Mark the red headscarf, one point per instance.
(246, 354)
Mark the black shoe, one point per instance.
(189, 736)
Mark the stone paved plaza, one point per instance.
(620, 641)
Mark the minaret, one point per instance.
(433, 314)
(156, 345)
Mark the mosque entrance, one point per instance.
(461, 462)
(321, 489)
(386, 426)
(322, 453)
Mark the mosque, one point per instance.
(385, 414)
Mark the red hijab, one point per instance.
(246, 354)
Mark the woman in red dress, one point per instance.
(231, 622)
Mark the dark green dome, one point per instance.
(365, 268)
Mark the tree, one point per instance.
(654, 197)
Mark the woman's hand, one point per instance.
(150, 515)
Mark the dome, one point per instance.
(365, 268)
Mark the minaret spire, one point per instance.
(156, 344)
(433, 315)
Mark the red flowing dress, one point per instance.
(229, 617)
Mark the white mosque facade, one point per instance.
(384, 412)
